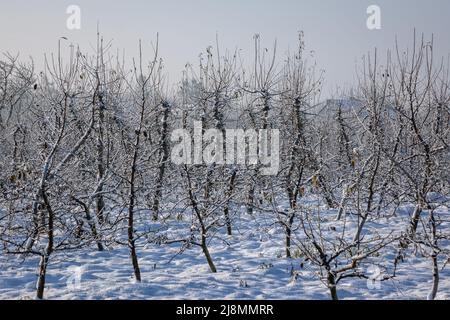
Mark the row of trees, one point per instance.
(86, 146)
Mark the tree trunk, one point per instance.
(43, 263)
(199, 215)
(132, 199)
(346, 193)
(227, 205)
(250, 198)
(435, 287)
(91, 223)
(434, 259)
(100, 203)
(207, 254)
(357, 236)
(289, 223)
(415, 220)
(331, 279)
(163, 157)
(342, 207)
(131, 240)
(41, 277)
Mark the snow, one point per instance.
(251, 265)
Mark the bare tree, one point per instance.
(145, 82)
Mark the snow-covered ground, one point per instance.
(251, 265)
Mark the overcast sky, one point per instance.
(335, 29)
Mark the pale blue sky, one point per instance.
(334, 29)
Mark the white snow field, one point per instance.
(251, 265)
